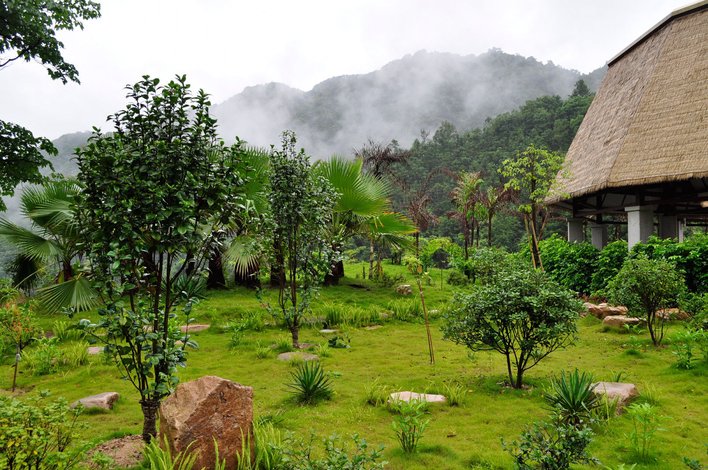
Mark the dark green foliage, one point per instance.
(297, 455)
(310, 384)
(609, 262)
(690, 257)
(36, 434)
(158, 191)
(457, 278)
(697, 306)
(570, 264)
(551, 447)
(571, 397)
(521, 314)
(484, 264)
(645, 286)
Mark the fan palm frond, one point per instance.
(244, 252)
(31, 244)
(76, 293)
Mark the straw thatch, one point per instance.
(649, 120)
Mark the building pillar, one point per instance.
(598, 235)
(640, 224)
(575, 230)
(668, 226)
(681, 227)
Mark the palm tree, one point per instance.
(465, 196)
(388, 230)
(379, 159)
(492, 200)
(52, 242)
(418, 209)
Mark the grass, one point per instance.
(396, 357)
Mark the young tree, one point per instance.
(156, 192)
(301, 204)
(18, 328)
(28, 31)
(521, 314)
(646, 286)
(532, 174)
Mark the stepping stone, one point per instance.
(404, 289)
(622, 392)
(289, 356)
(94, 350)
(373, 327)
(102, 400)
(193, 328)
(411, 396)
(328, 331)
(619, 321)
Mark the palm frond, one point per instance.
(76, 293)
(244, 252)
(29, 243)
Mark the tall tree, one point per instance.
(28, 31)
(532, 174)
(492, 199)
(419, 211)
(465, 197)
(155, 192)
(301, 205)
(380, 160)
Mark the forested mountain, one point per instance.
(417, 92)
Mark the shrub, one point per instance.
(35, 434)
(45, 358)
(77, 354)
(521, 314)
(409, 424)
(569, 264)
(609, 262)
(685, 344)
(310, 384)
(690, 257)
(457, 278)
(697, 306)
(339, 341)
(483, 264)
(645, 424)
(64, 331)
(551, 446)
(572, 398)
(646, 286)
(322, 350)
(300, 456)
(283, 345)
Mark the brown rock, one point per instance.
(404, 289)
(193, 328)
(207, 409)
(603, 310)
(673, 314)
(102, 400)
(619, 321)
(622, 392)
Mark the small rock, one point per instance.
(619, 321)
(411, 396)
(622, 392)
(93, 350)
(102, 400)
(673, 314)
(328, 331)
(194, 328)
(289, 356)
(404, 289)
(603, 310)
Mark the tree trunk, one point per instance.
(371, 259)
(336, 273)
(149, 408)
(277, 270)
(250, 278)
(295, 333)
(508, 369)
(67, 271)
(489, 230)
(417, 244)
(216, 279)
(519, 378)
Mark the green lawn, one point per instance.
(397, 356)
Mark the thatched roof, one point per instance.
(648, 122)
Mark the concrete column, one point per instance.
(598, 233)
(668, 226)
(575, 230)
(640, 224)
(681, 227)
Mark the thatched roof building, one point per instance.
(644, 140)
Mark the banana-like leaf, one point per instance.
(76, 293)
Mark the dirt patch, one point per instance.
(125, 451)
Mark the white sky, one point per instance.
(226, 45)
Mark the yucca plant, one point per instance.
(572, 397)
(310, 384)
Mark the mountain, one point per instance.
(404, 97)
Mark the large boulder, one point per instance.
(622, 392)
(619, 321)
(673, 314)
(103, 400)
(603, 310)
(205, 410)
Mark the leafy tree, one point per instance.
(301, 205)
(156, 191)
(646, 286)
(520, 313)
(28, 31)
(532, 174)
(580, 89)
(52, 242)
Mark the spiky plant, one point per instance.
(572, 397)
(310, 384)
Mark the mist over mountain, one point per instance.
(414, 93)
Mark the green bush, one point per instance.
(570, 264)
(457, 278)
(310, 384)
(645, 425)
(297, 455)
(551, 446)
(35, 434)
(690, 257)
(45, 358)
(609, 262)
(483, 264)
